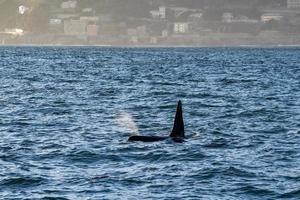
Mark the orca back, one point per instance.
(178, 127)
(146, 138)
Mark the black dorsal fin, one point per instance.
(178, 128)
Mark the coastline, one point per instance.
(152, 46)
(265, 39)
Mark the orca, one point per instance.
(177, 133)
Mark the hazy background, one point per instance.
(150, 22)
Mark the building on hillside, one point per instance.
(296, 21)
(56, 26)
(90, 19)
(134, 40)
(196, 16)
(14, 31)
(153, 40)
(68, 5)
(293, 3)
(111, 29)
(131, 32)
(141, 31)
(227, 17)
(92, 30)
(4, 37)
(244, 19)
(88, 10)
(271, 16)
(165, 33)
(23, 9)
(64, 16)
(178, 11)
(181, 27)
(162, 11)
(159, 14)
(75, 27)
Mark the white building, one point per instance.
(293, 3)
(87, 10)
(159, 14)
(196, 15)
(55, 21)
(93, 19)
(68, 4)
(271, 16)
(14, 31)
(64, 16)
(23, 9)
(162, 12)
(75, 27)
(92, 30)
(153, 40)
(165, 33)
(131, 32)
(155, 14)
(134, 40)
(227, 17)
(141, 31)
(56, 26)
(181, 27)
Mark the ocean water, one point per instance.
(66, 114)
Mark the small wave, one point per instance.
(20, 123)
(291, 194)
(205, 105)
(233, 81)
(53, 146)
(27, 143)
(276, 129)
(206, 174)
(253, 113)
(166, 106)
(54, 198)
(256, 191)
(86, 156)
(150, 157)
(218, 143)
(160, 93)
(226, 172)
(21, 182)
(236, 172)
(70, 81)
(83, 156)
(104, 92)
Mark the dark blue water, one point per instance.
(61, 137)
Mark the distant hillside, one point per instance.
(8, 12)
(120, 9)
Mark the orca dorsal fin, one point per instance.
(178, 128)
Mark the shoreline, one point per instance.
(153, 46)
(265, 39)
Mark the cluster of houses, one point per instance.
(67, 21)
(293, 3)
(163, 23)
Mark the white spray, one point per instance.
(126, 121)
